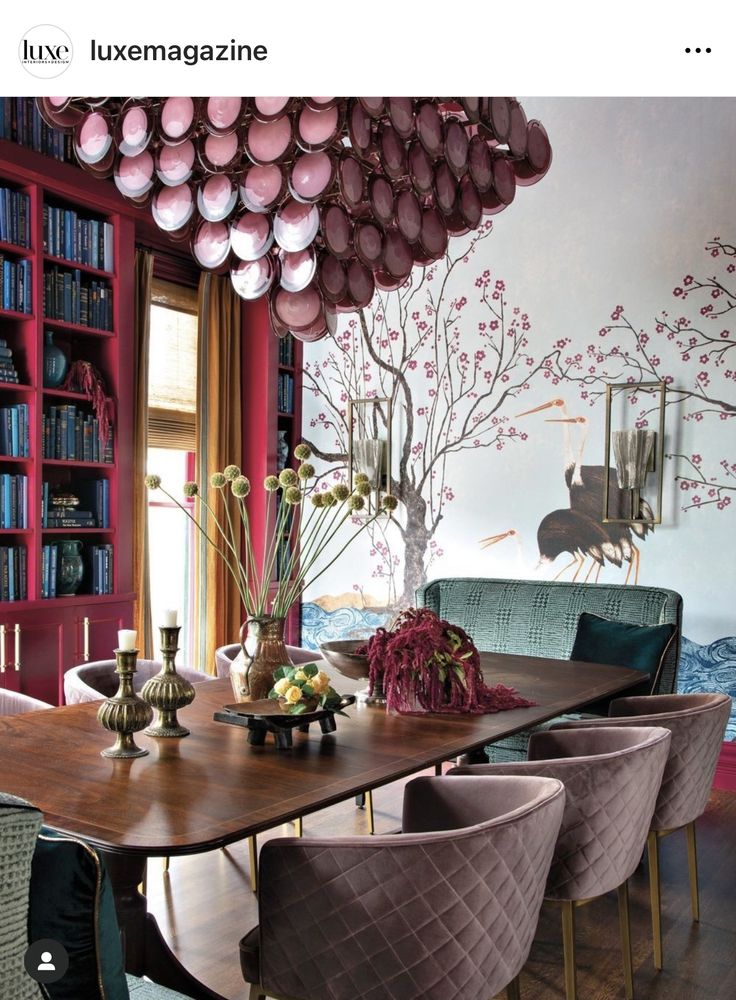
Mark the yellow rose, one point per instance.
(293, 694)
(320, 682)
(300, 676)
(282, 686)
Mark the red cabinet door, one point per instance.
(96, 631)
(33, 655)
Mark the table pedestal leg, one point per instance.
(146, 952)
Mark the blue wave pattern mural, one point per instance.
(702, 668)
(710, 668)
(320, 626)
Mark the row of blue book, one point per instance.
(286, 393)
(15, 217)
(84, 241)
(21, 122)
(13, 501)
(13, 573)
(16, 291)
(74, 436)
(94, 494)
(14, 431)
(75, 299)
(98, 575)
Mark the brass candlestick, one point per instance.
(125, 713)
(168, 691)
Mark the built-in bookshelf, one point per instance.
(66, 255)
(21, 123)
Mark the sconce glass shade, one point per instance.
(632, 453)
(369, 445)
(636, 452)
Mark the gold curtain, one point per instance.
(141, 580)
(218, 613)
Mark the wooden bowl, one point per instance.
(342, 656)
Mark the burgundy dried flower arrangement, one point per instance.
(84, 377)
(427, 664)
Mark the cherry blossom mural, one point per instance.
(620, 267)
(693, 350)
(449, 399)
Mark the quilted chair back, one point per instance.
(19, 826)
(15, 703)
(224, 655)
(97, 680)
(697, 723)
(612, 777)
(540, 617)
(445, 910)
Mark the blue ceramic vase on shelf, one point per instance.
(55, 364)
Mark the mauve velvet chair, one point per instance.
(445, 910)
(612, 777)
(14, 703)
(697, 723)
(97, 680)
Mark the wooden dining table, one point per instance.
(213, 788)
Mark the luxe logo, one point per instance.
(45, 51)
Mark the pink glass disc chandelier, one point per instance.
(313, 201)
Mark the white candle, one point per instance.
(126, 638)
(170, 617)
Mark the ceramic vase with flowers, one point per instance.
(308, 529)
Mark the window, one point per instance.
(172, 395)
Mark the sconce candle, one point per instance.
(126, 638)
(170, 618)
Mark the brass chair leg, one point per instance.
(513, 990)
(625, 927)
(369, 811)
(256, 993)
(298, 827)
(655, 896)
(144, 881)
(253, 856)
(692, 864)
(167, 863)
(568, 948)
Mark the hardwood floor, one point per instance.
(204, 905)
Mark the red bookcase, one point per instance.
(41, 637)
(269, 413)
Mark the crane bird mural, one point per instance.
(579, 530)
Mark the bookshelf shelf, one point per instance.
(78, 531)
(87, 331)
(68, 464)
(96, 272)
(15, 387)
(15, 249)
(58, 632)
(13, 314)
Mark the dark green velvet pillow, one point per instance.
(638, 647)
(71, 901)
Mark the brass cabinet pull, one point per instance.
(16, 629)
(85, 651)
(2, 649)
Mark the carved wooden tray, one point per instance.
(266, 716)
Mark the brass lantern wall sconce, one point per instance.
(369, 442)
(638, 456)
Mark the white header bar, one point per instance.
(571, 47)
